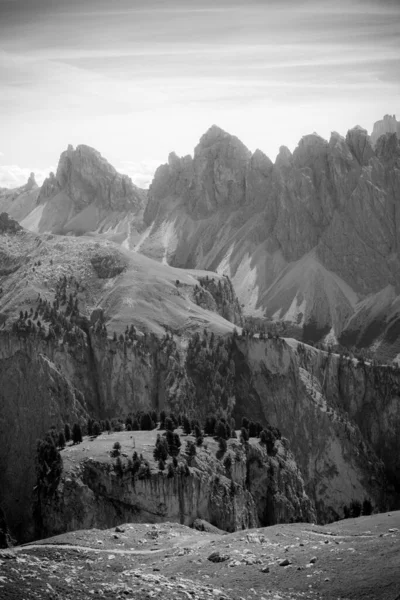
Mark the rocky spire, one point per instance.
(88, 178)
(388, 124)
(31, 183)
(360, 145)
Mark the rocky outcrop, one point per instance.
(258, 490)
(85, 194)
(305, 240)
(388, 124)
(219, 296)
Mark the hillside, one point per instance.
(355, 558)
(127, 286)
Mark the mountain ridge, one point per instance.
(330, 207)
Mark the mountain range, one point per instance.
(115, 300)
(311, 240)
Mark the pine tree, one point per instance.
(169, 424)
(146, 423)
(222, 445)
(190, 449)
(187, 428)
(48, 462)
(76, 433)
(67, 432)
(61, 440)
(197, 431)
(162, 419)
(221, 431)
(244, 435)
(116, 450)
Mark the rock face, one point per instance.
(85, 194)
(34, 395)
(368, 393)
(388, 124)
(326, 442)
(305, 240)
(219, 296)
(21, 201)
(336, 451)
(266, 490)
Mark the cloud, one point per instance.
(139, 79)
(141, 172)
(13, 176)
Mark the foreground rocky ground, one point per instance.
(351, 559)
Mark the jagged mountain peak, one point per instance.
(84, 159)
(31, 183)
(213, 135)
(388, 124)
(310, 148)
(84, 194)
(87, 178)
(261, 162)
(284, 157)
(388, 147)
(359, 142)
(216, 137)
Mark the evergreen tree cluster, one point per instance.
(210, 365)
(48, 461)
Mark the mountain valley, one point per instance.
(234, 287)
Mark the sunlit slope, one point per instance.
(129, 287)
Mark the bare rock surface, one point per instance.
(356, 558)
(388, 124)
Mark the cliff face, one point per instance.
(34, 395)
(338, 463)
(305, 240)
(333, 429)
(369, 394)
(265, 490)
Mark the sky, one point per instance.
(137, 79)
